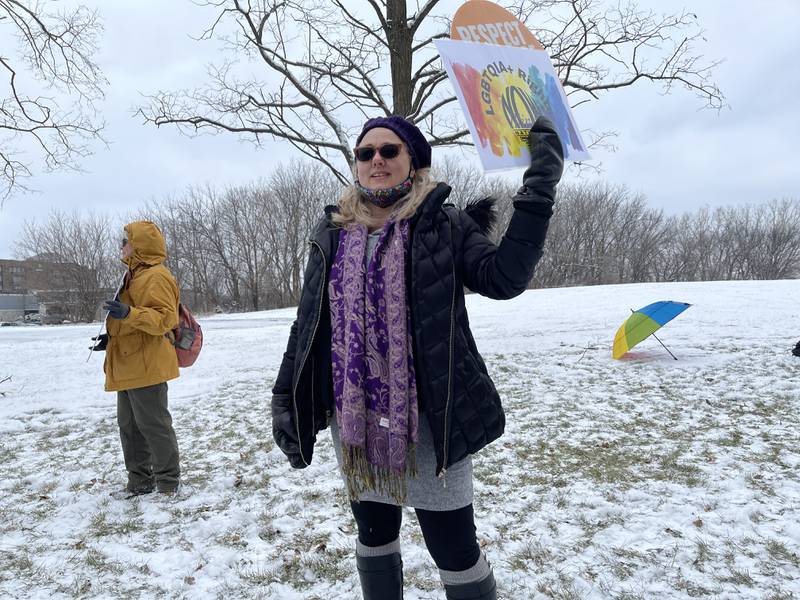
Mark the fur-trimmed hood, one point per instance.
(483, 212)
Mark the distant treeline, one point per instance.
(244, 248)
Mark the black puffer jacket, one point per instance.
(447, 251)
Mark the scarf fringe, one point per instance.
(362, 476)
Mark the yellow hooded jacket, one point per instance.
(138, 354)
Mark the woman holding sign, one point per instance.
(382, 350)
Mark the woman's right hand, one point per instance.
(284, 431)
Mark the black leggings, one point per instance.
(449, 535)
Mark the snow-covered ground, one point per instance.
(640, 478)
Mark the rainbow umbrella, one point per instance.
(644, 323)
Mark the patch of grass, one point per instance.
(773, 456)
(532, 554)
(622, 569)
(78, 587)
(268, 534)
(7, 520)
(309, 541)
(733, 439)
(756, 516)
(736, 577)
(44, 445)
(16, 561)
(757, 481)
(625, 562)
(628, 595)
(292, 570)
(60, 432)
(312, 496)
(100, 526)
(778, 552)
(781, 595)
(47, 488)
(100, 562)
(537, 479)
(258, 574)
(592, 527)
(144, 569)
(702, 554)
(189, 513)
(670, 468)
(199, 478)
(620, 464)
(231, 538)
(331, 565)
(560, 587)
(423, 579)
(8, 454)
(692, 589)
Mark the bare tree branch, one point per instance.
(417, 19)
(329, 64)
(58, 50)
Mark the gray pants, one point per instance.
(148, 441)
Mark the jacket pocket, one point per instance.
(130, 361)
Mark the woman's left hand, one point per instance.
(547, 160)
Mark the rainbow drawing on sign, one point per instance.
(502, 91)
(504, 101)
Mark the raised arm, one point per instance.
(504, 271)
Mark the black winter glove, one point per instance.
(116, 309)
(547, 165)
(100, 343)
(796, 350)
(284, 431)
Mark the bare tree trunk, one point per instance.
(400, 39)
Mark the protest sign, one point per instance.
(485, 22)
(505, 85)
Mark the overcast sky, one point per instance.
(668, 148)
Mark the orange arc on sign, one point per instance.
(487, 23)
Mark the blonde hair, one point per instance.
(354, 207)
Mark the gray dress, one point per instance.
(426, 490)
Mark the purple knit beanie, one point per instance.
(418, 146)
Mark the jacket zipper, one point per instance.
(443, 472)
(305, 357)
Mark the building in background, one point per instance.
(42, 290)
(16, 307)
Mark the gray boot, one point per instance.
(476, 583)
(380, 571)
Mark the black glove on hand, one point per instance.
(116, 309)
(101, 343)
(796, 350)
(547, 163)
(284, 431)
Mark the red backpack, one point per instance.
(187, 337)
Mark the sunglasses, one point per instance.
(387, 151)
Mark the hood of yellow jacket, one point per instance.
(149, 247)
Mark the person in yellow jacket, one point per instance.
(140, 359)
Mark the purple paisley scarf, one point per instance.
(373, 370)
